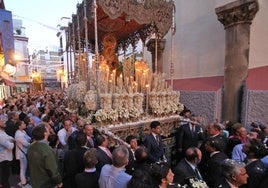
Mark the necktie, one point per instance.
(193, 128)
(157, 139)
(197, 173)
(107, 151)
(90, 140)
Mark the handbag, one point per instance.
(27, 173)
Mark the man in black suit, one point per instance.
(187, 167)
(80, 128)
(153, 143)
(73, 160)
(213, 131)
(189, 135)
(213, 166)
(234, 174)
(103, 153)
(88, 129)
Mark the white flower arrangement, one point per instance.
(158, 110)
(167, 109)
(194, 183)
(173, 108)
(112, 115)
(123, 113)
(103, 115)
(180, 107)
(134, 112)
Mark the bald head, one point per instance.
(193, 155)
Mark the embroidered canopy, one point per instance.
(128, 20)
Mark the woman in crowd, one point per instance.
(22, 144)
(162, 175)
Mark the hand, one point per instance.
(12, 140)
(60, 185)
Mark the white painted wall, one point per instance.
(199, 49)
(258, 53)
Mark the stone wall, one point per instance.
(255, 106)
(205, 103)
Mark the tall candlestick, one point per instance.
(121, 81)
(147, 97)
(110, 86)
(114, 73)
(135, 85)
(126, 79)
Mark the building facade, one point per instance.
(7, 68)
(43, 68)
(205, 51)
(21, 77)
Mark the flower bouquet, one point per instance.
(134, 113)
(194, 183)
(106, 116)
(123, 114)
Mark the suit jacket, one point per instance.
(73, 164)
(256, 173)
(263, 183)
(131, 160)
(89, 145)
(222, 183)
(182, 171)
(185, 138)
(202, 166)
(214, 168)
(87, 179)
(155, 149)
(103, 159)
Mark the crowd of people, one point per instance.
(48, 146)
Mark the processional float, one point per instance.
(114, 92)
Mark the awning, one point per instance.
(9, 83)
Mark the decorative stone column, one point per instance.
(236, 18)
(160, 49)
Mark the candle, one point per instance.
(111, 86)
(143, 82)
(126, 81)
(120, 81)
(107, 75)
(114, 76)
(135, 87)
(147, 97)
(166, 85)
(131, 80)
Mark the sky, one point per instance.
(40, 19)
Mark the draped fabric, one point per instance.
(129, 20)
(151, 12)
